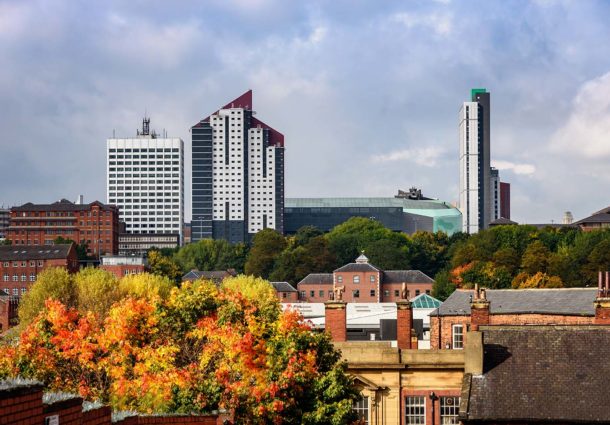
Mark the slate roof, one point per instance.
(357, 267)
(216, 276)
(572, 301)
(283, 287)
(407, 276)
(502, 221)
(602, 216)
(555, 374)
(62, 205)
(34, 252)
(324, 278)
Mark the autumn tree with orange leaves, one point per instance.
(198, 349)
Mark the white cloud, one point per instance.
(427, 156)
(587, 130)
(523, 169)
(440, 23)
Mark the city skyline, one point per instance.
(327, 78)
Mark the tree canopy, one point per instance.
(193, 349)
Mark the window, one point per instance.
(339, 279)
(32, 277)
(356, 293)
(23, 291)
(450, 407)
(24, 277)
(372, 292)
(372, 278)
(361, 407)
(15, 278)
(356, 279)
(457, 336)
(321, 293)
(5, 278)
(396, 292)
(415, 410)
(15, 291)
(386, 293)
(416, 292)
(312, 294)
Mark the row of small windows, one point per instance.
(119, 169)
(15, 291)
(32, 263)
(355, 279)
(24, 277)
(144, 156)
(140, 176)
(144, 150)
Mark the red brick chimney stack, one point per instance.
(404, 325)
(602, 303)
(335, 316)
(479, 309)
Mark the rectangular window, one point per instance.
(450, 407)
(361, 407)
(372, 279)
(339, 279)
(372, 292)
(415, 410)
(321, 293)
(396, 292)
(312, 294)
(457, 336)
(356, 293)
(386, 293)
(356, 279)
(32, 277)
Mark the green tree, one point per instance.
(305, 234)
(96, 290)
(348, 239)
(429, 252)
(163, 266)
(267, 245)
(442, 287)
(52, 283)
(535, 258)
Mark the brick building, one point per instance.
(23, 402)
(364, 283)
(8, 310)
(20, 265)
(5, 216)
(123, 265)
(596, 221)
(141, 243)
(565, 306)
(94, 224)
(285, 292)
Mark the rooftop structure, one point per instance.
(597, 220)
(401, 214)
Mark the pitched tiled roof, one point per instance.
(283, 287)
(407, 276)
(62, 205)
(324, 278)
(502, 221)
(216, 276)
(541, 374)
(34, 252)
(357, 267)
(602, 216)
(572, 301)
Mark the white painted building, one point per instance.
(145, 179)
(238, 174)
(475, 200)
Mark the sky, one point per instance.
(367, 93)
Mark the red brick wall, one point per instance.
(439, 339)
(8, 312)
(288, 297)
(392, 296)
(99, 416)
(602, 313)
(70, 412)
(364, 287)
(122, 270)
(168, 420)
(306, 289)
(22, 406)
(335, 322)
(31, 269)
(98, 228)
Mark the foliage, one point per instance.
(267, 245)
(196, 350)
(538, 280)
(211, 254)
(163, 266)
(81, 248)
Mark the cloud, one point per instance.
(587, 130)
(427, 156)
(523, 169)
(440, 23)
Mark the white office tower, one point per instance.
(475, 191)
(238, 174)
(145, 179)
